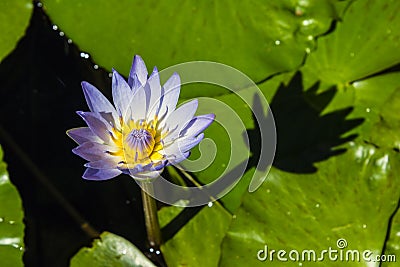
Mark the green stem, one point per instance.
(150, 215)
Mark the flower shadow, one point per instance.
(304, 136)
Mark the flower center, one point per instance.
(142, 142)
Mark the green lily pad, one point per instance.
(377, 99)
(365, 42)
(111, 250)
(392, 249)
(11, 221)
(259, 37)
(198, 242)
(14, 19)
(319, 202)
(313, 211)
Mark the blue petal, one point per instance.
(146, 175)
(138, 106)
(154, 93)
(178, 158)
(121, 93)
(172, 89)
(107, 116)
(92, 151)
(138, 68)
(100, 175)
(197, 125)
(178, 119)
(105, 163)
(82, 135)
(135, 83)
(96, 101)
(180, 146)
(97, 124)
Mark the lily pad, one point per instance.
(366, 41)
(111, 250)
(352, 202)
(392, 248)
(260, 38)
(14, 19)
(183, 247)
(377, 100)
(11, 221)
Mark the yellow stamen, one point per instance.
(139, 142)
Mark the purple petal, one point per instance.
(135, 83)
(99, 175)
(82, 135)
(180, 146)
(97, 124)
(170, 96)
(146, 175)
(179, 158)
(108, 117)
(178, 119)
(96, 101)
(121, 93)
(138, 105)
(154, 93)
(197, 125)
(105, 163)
(92, 151)
(138, 68)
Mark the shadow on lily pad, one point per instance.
(304, 136)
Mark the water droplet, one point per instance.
(1, 219)
(308, 50)
(11, 222)
(317, 205)
(307, 22)
(110, 75)
(398, 234)
(96, 67)
(38, 4)
(55, 27)
(151, 250)
(277, 42)
(123, 252)
(368, 110)
(61, 33)
(268, 191)
(158, 252)
(210, 204)
(234, 217)
(300, 264)
(84, 55)
(364, 226)
(69, 41)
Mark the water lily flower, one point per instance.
(143, 133)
